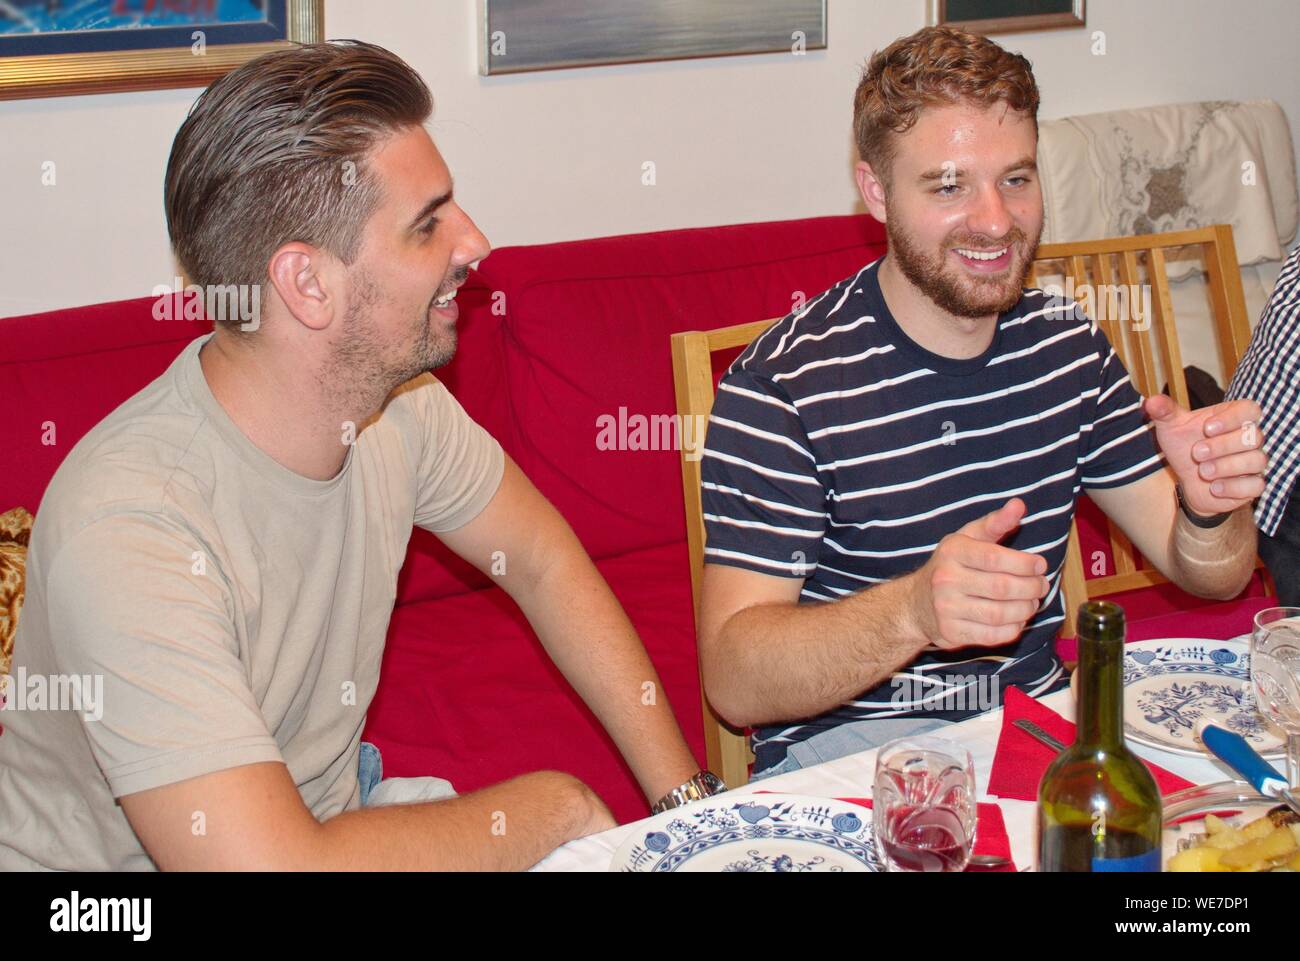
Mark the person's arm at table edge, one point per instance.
(767, 658)
(581, 624)
(254, 819)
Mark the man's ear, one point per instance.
(872, 189)
(300, 277)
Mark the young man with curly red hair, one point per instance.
(890, 472)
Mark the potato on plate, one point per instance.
(1268, 843)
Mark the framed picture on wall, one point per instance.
(1007, 16)
(522, 35)
(51, 48)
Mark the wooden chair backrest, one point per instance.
(1114, 271)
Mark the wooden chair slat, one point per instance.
(1162, 322)
(1140, 337)
(1103, 311)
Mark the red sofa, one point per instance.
(552, 338)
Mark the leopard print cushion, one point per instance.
(15, 533)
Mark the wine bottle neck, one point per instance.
(1101, 692)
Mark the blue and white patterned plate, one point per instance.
(754, 832)
(1171, 684)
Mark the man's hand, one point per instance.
(1215, 452)
(973, 590)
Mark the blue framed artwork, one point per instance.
(522, 35)
(60, 47)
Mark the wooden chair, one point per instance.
(729, 754)
(728, 750)
(1150, 354)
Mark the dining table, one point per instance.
(852, 776)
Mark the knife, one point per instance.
(1233, 750)
(1038, 734)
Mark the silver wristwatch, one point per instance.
(701, 785)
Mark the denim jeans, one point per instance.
(849, 739)
(377, 791)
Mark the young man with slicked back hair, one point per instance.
(890, 473)
(224, 548)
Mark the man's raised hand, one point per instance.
(1215, 452)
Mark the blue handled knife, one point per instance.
(1233, 750)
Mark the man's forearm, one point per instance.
(590, 639)
(773, 662)
(507, 827)
(1213, 562)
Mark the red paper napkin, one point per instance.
(1021, 759)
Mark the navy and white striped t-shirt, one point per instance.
(841, 452)
(1269, 375)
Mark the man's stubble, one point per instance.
(934, 277)
(363, 365)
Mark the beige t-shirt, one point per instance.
(233, 611)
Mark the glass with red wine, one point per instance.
(923, 805)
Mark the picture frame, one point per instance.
(168, 51)
(518, 36)
(987, 17)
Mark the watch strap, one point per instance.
(1198, 520)
(700, 785)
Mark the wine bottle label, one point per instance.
(1149, 862)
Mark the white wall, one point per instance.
(557, 156)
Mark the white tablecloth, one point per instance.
(851, 777)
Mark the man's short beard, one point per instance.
(933, 278)
(360, 362)
(430, 353)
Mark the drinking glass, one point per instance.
(1275, 677)
(923, 804)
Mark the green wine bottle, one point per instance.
(1098, 806)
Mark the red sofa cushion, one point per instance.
(468, 693)
(585, 333)
(72, 368)
(1216, 620)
